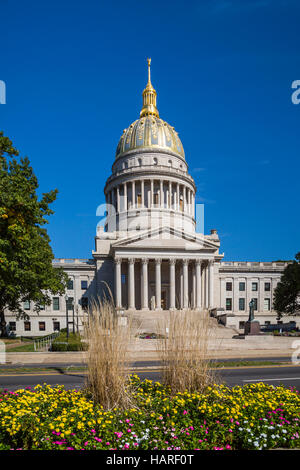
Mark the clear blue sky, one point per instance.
(223, 70)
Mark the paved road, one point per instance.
(289, 376)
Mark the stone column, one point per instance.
(211, 283)
(185, 283)
(194, 290)
(158, 283)
(184, 199)
(144, 284)
(151, 194)
(131, 290)
(125, 197)
(133, 194)
(177, 198)
(118, 199)
(206, 286)
(198, 284)
(161, 191)
(172, 284)
(170, 195)
(142, 193)
(118, 283)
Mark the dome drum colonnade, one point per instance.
(150, 188)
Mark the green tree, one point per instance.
(287, 292)
(26, 270)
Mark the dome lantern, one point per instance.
(149, 97)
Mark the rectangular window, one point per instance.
(229, 304)
(181, 205)
(229, 286)
(42, 307)
(84, 303)
(70, 284)
(267, 286)
(139, 200)
(242, 303)
(255, 303)
(242, 286)
(12, 326)
(267, 304)
(156, 199)
(55, 302)
(267, 323)
(69, 303)
(56, 326)
(241, 325)
(84, 285)
(26, 305)
(27, 326)
(123, 278)
(42, 326)
(254, 286)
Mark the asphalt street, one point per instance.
(275, 375)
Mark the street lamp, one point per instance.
(67, 316)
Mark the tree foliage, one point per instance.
(287, 292)
(26, 270)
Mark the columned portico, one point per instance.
(160, 279)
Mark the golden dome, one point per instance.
(152, 133)
(149, 132)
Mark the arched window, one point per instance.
(154, 161)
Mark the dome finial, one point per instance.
(149, 97)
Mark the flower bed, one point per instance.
(256, 416)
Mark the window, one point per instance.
(154, 161)
(69, 303)
(70, 284)
(139, 200)
(84, 303)
(241, 325)
(55, 303)
(242, 303)
(267, 304)
(84, 285)
(26, 305)
(267, 323)
(181, 204)
(254, 286)
(242, 286)
(42, 306)
(42, 326)
(255, 303)
(123, 278)
(27, 326)
(228, 285)
(12, 326)
(56, 326)
(267, 286)
(156, 199)
(229, 304)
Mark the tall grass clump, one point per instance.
(108, 339)
(184, 351)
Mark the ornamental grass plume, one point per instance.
(184, 350)
(108, 339)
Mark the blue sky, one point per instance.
(223, 70)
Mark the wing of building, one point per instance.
(149, 254)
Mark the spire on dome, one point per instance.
(149, 97)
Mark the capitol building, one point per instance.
(148, 253)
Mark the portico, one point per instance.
(140, 283)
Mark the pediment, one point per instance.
(166, 238)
